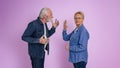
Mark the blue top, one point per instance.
(78, 44)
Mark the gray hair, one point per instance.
(43, 12)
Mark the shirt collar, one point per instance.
(80, 27)
(39, 21)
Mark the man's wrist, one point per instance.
(53, 27)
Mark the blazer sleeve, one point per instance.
(28, 32)
(66, 36)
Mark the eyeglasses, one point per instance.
(78, 18)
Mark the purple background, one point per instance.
(102, 19)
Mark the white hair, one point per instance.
(44, 12)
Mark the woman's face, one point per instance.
(78, 18)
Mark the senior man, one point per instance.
(37, 35)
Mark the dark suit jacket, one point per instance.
(32, 34)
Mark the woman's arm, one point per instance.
(66, 36)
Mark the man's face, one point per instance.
(49, 16)
(78, 18)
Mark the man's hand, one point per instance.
(65, 25)
(56, 23)
(43, 40)
(67, 47)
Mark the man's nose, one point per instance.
(51, 16)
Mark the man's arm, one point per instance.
(54, 26)
(28, 32)
(51, 31)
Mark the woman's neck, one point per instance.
(77, 26)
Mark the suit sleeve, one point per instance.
(51, 31)
(27, 34)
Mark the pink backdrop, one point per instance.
(102, 19)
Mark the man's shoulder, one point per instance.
(34, 22)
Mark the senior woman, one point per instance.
(78, 40)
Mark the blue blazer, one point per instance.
(32, 34)
(78, 41)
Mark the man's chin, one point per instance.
(50, 21)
